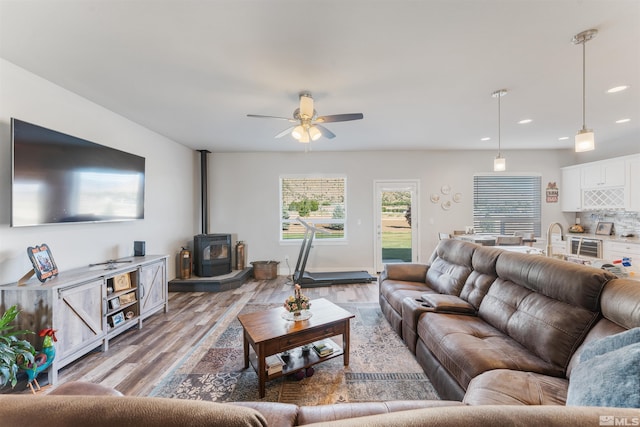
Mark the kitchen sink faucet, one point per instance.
(549, 231)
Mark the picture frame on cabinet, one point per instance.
(604, 228)
(127, 298)
(117, 319)
(114, 303)
(42, 260)
(121, 282)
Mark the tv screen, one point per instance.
(58, 178)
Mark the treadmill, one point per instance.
(310, 280)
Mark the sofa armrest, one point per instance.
(448, 304)
(409, 272)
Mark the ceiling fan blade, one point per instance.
(339, 118)
(259, 116)
(325, 132)
(284, 132)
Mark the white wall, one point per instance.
(244, 196)
(171, 203)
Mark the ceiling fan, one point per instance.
(308, 127)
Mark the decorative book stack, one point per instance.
(274, 364)
(323, 349)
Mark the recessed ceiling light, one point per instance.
(618, 89)
(525, 121)
(486, 138)
(563, 138)
(623, 120)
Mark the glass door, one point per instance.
(396, 222)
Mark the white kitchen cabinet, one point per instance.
(605, 184)
(632, 189)
(571, 189)
(605, 173)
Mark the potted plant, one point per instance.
(13, 351)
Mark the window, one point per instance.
(504, 204)
(321, 201)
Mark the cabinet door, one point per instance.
(632, 195)
(607, 173)
(571, 190)
(79, 318)
(614, 173)
(152, 287)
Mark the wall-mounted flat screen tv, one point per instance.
(58, 178)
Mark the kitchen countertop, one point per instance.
(634, 239)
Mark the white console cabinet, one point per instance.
(89, 306)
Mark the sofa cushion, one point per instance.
(603, 328)
(449, 270)
(574, 284)
(608, 373)
(483, 275)
(509, 387)
(549, 328)
(468, 346)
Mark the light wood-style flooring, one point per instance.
(137, 360)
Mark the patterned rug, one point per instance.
(380, 368)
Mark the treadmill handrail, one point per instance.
(311, 227)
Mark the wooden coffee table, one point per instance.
(268, 333)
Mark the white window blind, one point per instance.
(504, 204)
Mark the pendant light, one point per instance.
(499, 163)
(585, 139)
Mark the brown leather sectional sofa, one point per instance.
(490, 326)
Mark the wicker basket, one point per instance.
(265, 270)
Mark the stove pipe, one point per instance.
(204, 193)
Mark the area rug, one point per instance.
(380, 368)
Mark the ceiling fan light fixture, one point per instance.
(304, 138)
(585, 141)
(314, 133)
(298, 132)
(306, 105)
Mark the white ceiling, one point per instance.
(421, 72)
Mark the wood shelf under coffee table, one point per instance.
(268, 333)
